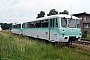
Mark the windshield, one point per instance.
(71, 23)
(63, 22)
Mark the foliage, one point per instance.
(6, 26)
(42, 13)
(52, 12)
(64, 12)
(84, 35)
(88, 37)
(18, 47)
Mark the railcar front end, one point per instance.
(69, 30)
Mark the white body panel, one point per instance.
(16, 31)
(36, 34)
(0, 28)
(54, 37)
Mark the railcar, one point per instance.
(54, 28)
(0, 28)
(17, 28)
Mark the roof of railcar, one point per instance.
(17, 23)
(53, 16)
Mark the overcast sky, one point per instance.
(25, 10)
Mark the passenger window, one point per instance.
(32, 25)
(45, 23)
(38, 24)
(28, 25)
(51, 23)
(23, 25)
(19, 25)
(13, 26)
(56, 22)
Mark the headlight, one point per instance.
(63, 33)
(80, 33)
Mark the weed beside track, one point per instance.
(18, 47)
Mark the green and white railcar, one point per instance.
(17, 28)
(0, 28)
(55, 28)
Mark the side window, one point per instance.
(28, 25)
(19, 25)
(38, 24)
(51, 23)
(56, 22)
(32, 25)
(23, 25)
(15, 26)
(45, 23)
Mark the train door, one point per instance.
(51, 27)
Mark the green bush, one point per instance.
(84, 35)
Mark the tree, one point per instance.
(64, 12)
(42, 13)
(6, 26)
(52, 12)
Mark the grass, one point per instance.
(18, 47)
(87, 38)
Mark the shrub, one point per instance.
(84, 35)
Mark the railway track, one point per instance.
(85, 45)
(83, 53)
(83, 42)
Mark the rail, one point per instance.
(85, 45)
(84, 42)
